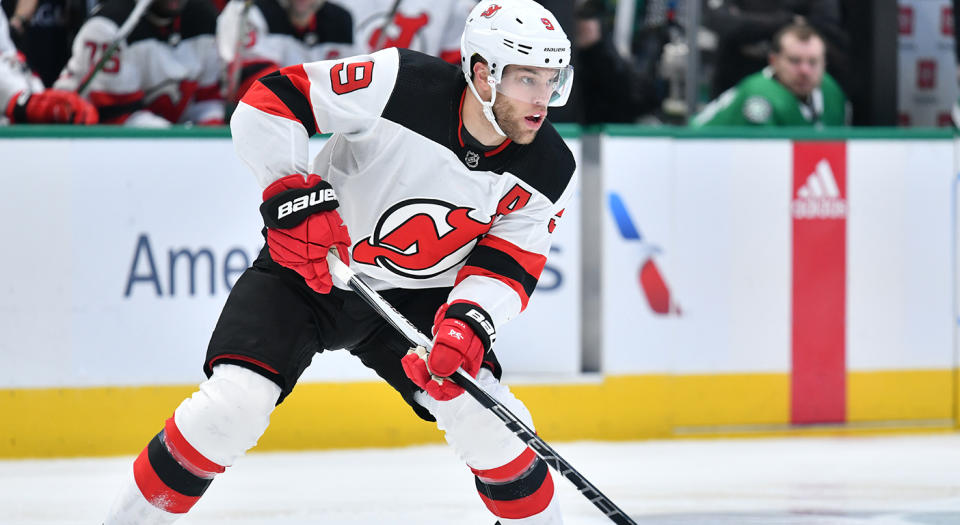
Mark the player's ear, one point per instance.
(480, 73)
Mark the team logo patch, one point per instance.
(421, 238)
(490, 11)
(757, 109)
(471, 159)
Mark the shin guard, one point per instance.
(520, 489)
(170, 473)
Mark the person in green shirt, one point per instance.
(794, 90)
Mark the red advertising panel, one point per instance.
(819, 209)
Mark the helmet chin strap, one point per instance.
(488, 106)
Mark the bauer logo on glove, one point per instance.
(303, 225)
(301, 203)
(291, 205)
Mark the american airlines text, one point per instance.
(168, 271)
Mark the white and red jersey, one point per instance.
(173, 71)
(427, 26)
(425, 206)
(268, 34)
(16, 79)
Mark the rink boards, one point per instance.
(743, 284)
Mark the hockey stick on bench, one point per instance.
(345, 275)
(135, 15)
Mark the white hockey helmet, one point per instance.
(518, 33)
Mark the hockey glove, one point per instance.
(52, 106)
(463, 332)
(302, 225)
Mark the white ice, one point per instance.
(835, 481)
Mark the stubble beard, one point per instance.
(510, 123)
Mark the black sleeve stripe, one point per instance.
(521, 487)
(298, 104)
(171, 473)
(502, 264)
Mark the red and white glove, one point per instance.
(302, 225)
(463, 333)
(52, 106)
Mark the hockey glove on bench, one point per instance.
(463, 332)
(302, 225)
(51, 106)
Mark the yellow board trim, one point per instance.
(64, 422)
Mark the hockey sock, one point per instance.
(517, 490)
(170, 473)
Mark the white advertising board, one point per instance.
(697, 258)
(900, 234)
(706, 213)
(121, 252)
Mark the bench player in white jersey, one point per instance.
(277, 33)
(450, 183)
(427, 26)
(23, 98)
(165, 72)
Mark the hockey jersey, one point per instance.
(172, 71)
(267, 40)
(427, 26)
(15, 77)
(424, 206)
(761, 100)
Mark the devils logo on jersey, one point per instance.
(400, 32)
(421, 238)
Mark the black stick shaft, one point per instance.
(518, 427)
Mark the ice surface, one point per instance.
(828, 481)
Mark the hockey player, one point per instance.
(23, 98)
(441, 187)
(794, 90)
(270, 34)
(166, 72)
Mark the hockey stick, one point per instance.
(344, 274)
(235, 66)
(122, 34)
(386, 24)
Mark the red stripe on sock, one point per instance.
(246, 359)
(186, 455)
(523, 507)
(156, 491)
(511, 470)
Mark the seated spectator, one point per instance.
(744, 29)
(278, 33)
(794, 90)
(23, 98)
(165, 72)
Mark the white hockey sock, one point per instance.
(131, 508)
(209, 431)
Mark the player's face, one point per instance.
(799, 65)
(522, 98)
(519, 120)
